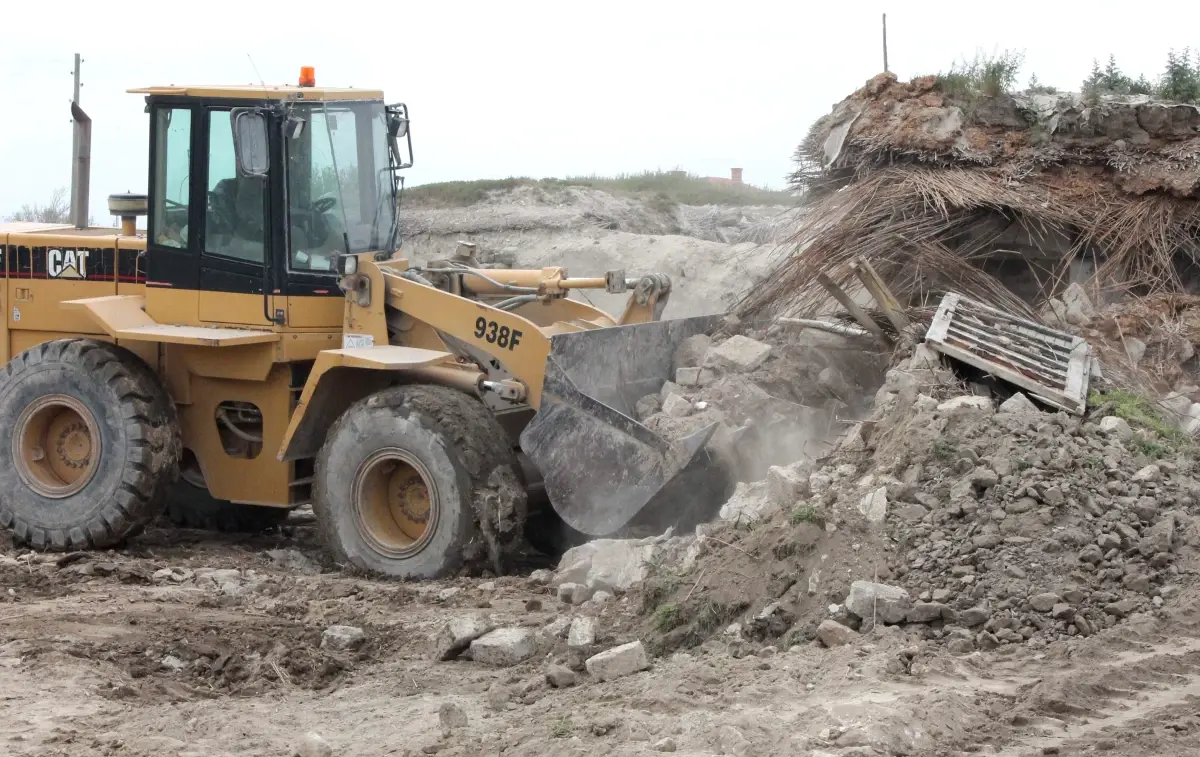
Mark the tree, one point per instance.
(58, 210)
(1181, 80)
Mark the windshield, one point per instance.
(340, 184)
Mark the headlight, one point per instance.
(348, 264)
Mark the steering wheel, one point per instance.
(324, 204)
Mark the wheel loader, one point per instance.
(264, 343)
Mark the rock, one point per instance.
(669, 388)
(458, 634)
(452, 718)
(1137, 582)
(960, 647)
(886, 604)
(748, 503)
(984, 478)
(788, 484)
(556, 629)
(819, 483)
(987, 640)
(504, 647)
(1158, 538)
(1091, 554)
(1116, 427)
(1146, 509)
(1150, 473)
(874, 506)
(687, 377)
(573, 594)
(647, 406)
(987, 540)
(581, 639)
(173, 663)
(312, 745)
(976, 616)
(618, 564)
(1062, 611)
(342, 638)
(738, 353)
(1190, 424)
(541, 577)
(498, 696)
(927, 612)
(1044, 602)
(664, 745)
(1078, 307)
(1122, 609)
(1108, 541)
(448, 593)
(1135, 349)
(691, 351)
(560, 677)
(834, 634)
(910, 513)
(676, 406)
(600, 598)
(617, 662)
(965, 405)
(1018, 404)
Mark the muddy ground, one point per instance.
(108, 654)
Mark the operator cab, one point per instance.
(258, 190)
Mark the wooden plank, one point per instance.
(883, 296)
(941, 320)
(989, 357)
(832, 328)
(1079, 372)
(1013, 355)
(853, 309)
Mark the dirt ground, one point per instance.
(108, 654)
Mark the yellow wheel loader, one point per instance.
(264, 344)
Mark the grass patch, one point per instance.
(663, 190)
(667, 617)
(1149, 447)
(987, 75)
(944, 450)
(1136, 410)
(562, 728)
(806, 513)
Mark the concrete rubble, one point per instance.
(504, 647)
(618, 662)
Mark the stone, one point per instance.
(647, 406)
(1158, 538)
(691, 351)
(560, 677)
(874, 506)
(312, 745)
(987, 540)
(960, 647)
(1146, 509)
(748, 503)
(504, 647)
(819, 483)
(1018, 404)
(342, 638)
(927, 612)
(1078, 307)
(1121, 609)
(834, 634)
(880, 602)
(687, 377)
(910, 513)
(1190, 423)
(965, 405)
(1135, 349)
(1108, 541)
(1116, 427)
(498, 696)
(458, 634)
(1151, 473)
(1176, 406)
(1137, 582)
(1091, 554)
(448, 593)
(573, 594)
(975, 616)
(556, 629)
(984, 478)
(738, 353)
(1062, 611)
(452, 718)
(1044, 602)
(618, 662)
(669, 388)
(664, 745)
(581, 640)
(676, 406)
(787, 484)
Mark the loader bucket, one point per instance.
(600, 465)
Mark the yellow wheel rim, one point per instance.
(395, 504)
(56, 446)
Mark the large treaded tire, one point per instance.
(468, 460)
(139, 445)
(190, 506)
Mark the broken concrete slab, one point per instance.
(581, 641)
(676, 406)
(606, 564)
(887, 604)
(504, 647)
(1018, 404)
(691, 351)
(618, 662)
(458, 634)
(964, 405)
(788, 484)
(688, 377)
(342, 638)
(738, 353)
(748, 503)
(1116, 427)
(874, 506)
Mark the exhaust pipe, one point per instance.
(81, 166)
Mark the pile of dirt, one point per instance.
(970, 525)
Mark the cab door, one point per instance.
(236, 243)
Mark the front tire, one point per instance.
(417, 482)
(93, 445)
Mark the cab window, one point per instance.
(172, 175)
(235, 217)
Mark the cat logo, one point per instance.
(67, 264)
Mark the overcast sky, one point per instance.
(528, 88)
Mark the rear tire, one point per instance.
(93, 445)
(418, 482)
(192, 506)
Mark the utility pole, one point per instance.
(885, 43)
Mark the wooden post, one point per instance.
(883, 296)
(853, 309)
(885, 63)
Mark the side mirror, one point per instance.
(250, 142)
(397, 126)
